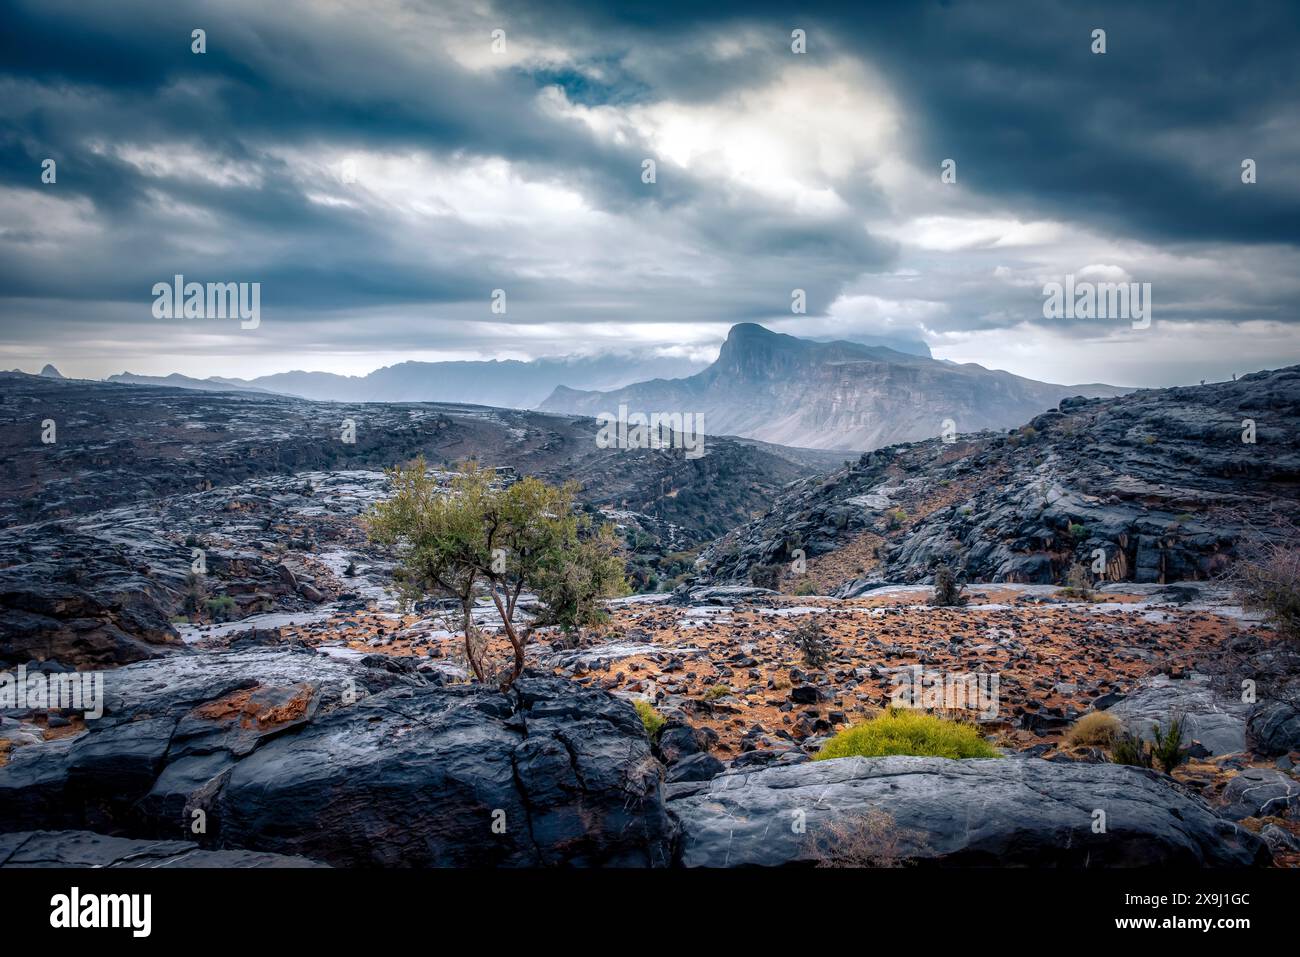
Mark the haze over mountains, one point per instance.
(832, 395)
(507, 383)
(808, 393)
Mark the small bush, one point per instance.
(1078, 531)
(903, 731)
(947, 590)
(1266, 578)
(812, 642)
(871, 839)
(805, 587)
(220, 608)
(1096, 729)
(716, 692)
(1078, 583)
(654, 722)
(765, 576)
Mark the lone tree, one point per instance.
(474, 536)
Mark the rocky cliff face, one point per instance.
(831, 395)
(1160, 481)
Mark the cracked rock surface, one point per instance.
(351, 763)
(1008, 812)
(86, 849)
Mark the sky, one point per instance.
(381, 168)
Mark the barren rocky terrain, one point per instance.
(288, 702)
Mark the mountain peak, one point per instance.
(50, 372)
(748, 330)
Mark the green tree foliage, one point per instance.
(476, 536)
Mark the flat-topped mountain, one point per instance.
(832, 395)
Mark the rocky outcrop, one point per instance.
(1261, 792)
(1274, 728)
(87, 849)
(1008, 812)
(115, 620)
(1218, 723)
(352, 763)
(1152, 480)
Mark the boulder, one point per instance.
(1261, 792)
(698, 767)
(1274, 729)
(678, 741)
(1008, 812)
(352, 764)
(1217, 722)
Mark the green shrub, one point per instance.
(654, 722)
(1132, 750)
(904, 731)
(717, 691)
(220, 608)
(1168, 749)
(805, 588)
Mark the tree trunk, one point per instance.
(470, 656)
(516, 640)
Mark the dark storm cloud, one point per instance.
(1146, 139)
(1143, 143)
(126, 73)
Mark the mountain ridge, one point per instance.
(837, 395)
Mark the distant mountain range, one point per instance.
(832, 395)
(807, 393)
(506, 383)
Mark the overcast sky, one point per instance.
(380, 169)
